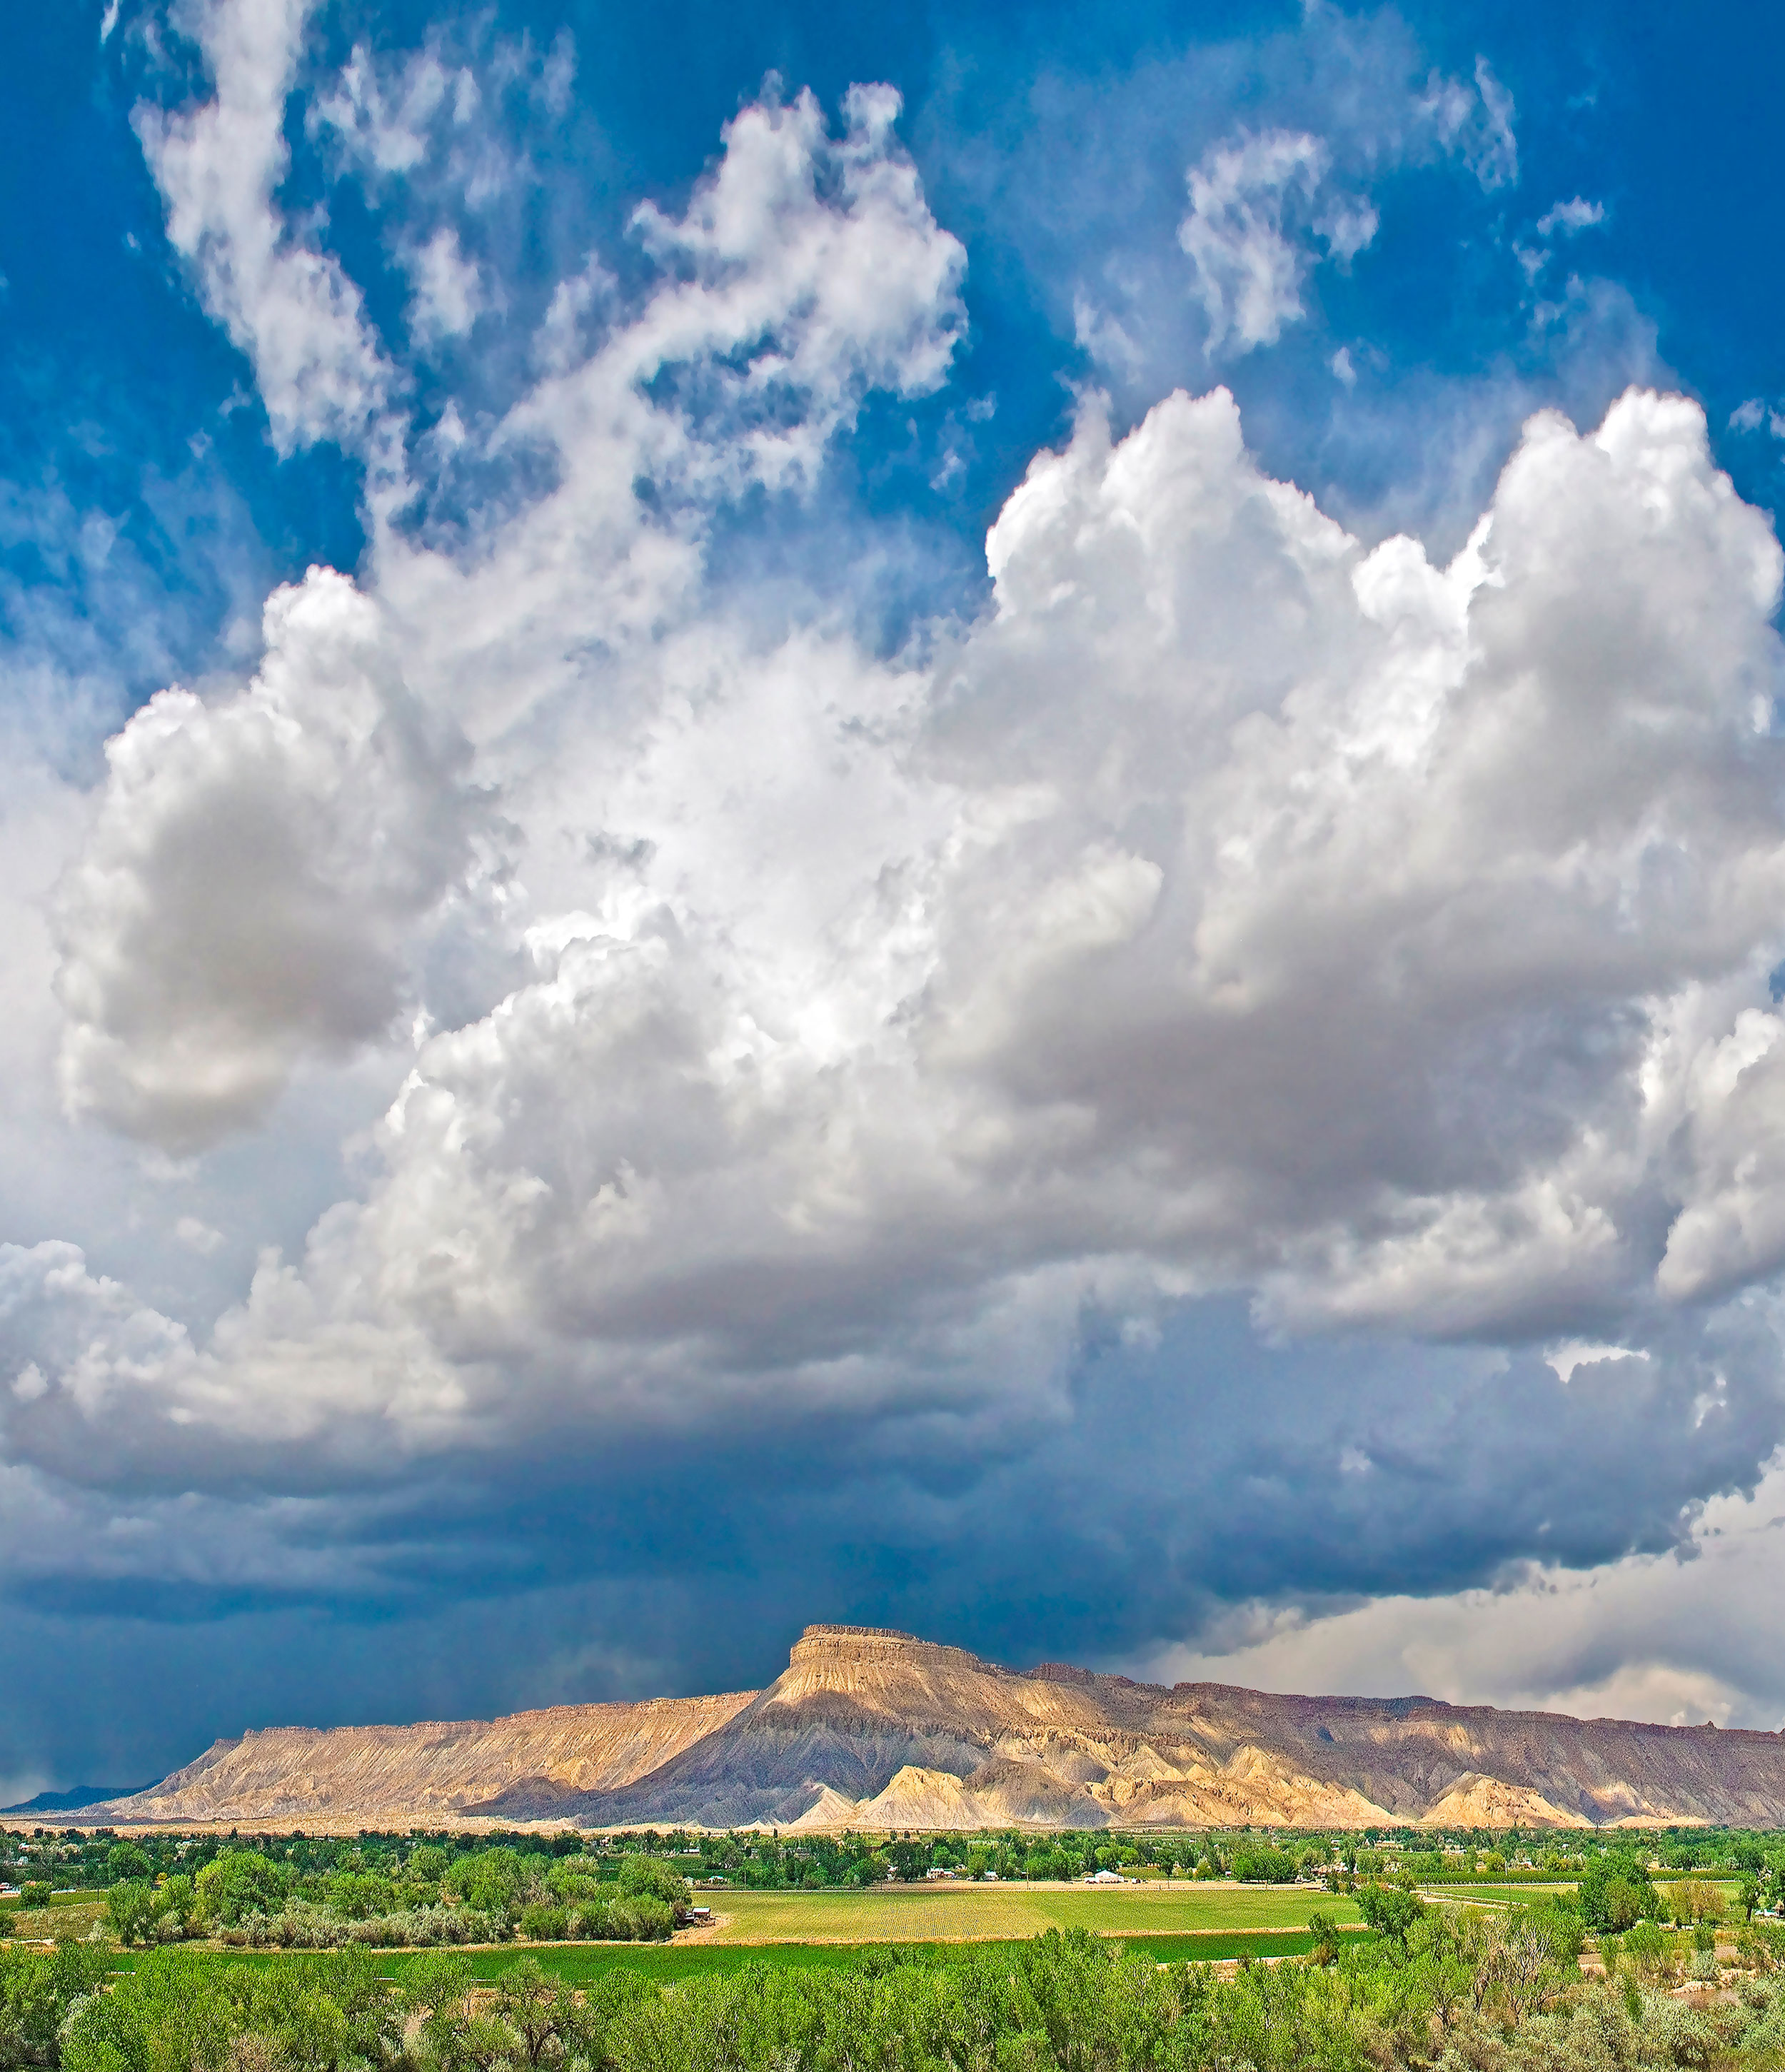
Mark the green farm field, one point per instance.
(1201, 1923)
(581, 1963)
(984, 1913)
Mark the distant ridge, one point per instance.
(872, 1727)
(73, 1799)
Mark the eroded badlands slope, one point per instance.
(872, 1728)
(292, 1774)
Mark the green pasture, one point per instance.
(582, 1963)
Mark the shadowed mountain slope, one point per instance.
(872, 1728)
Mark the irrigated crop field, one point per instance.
(974, 1913)
(582, 1963)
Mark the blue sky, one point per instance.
(938, 817)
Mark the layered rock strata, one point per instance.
(871, 1728)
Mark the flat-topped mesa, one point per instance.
(822, 1645)
(871, 1727)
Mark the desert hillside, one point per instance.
(871, 1728)
(295, 1774)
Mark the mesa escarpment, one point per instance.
(869, 1728)
(294, 1774)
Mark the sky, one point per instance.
(954, 817)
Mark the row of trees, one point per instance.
(405, 1872)
(71, 1858)
(771, 1862)
(244, 1897)
(1455, 1990)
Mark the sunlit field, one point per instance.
(950, 1913)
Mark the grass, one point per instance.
(951, 1912)
(582, 1963)
(72, 1916)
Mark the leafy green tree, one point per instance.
(1259, 1864)
(492, 1881)
(127, 1859)
(541, 2013)
(1389, 1909)
(130, 1908)
(37, 1995)
(358, 1895)
(642, 1877)
(909, 1858)
(1615, 1892)
(236, 1884)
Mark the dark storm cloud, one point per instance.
(1177, 1482)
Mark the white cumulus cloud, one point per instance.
(246, 896)
(1232, 906)
(843, 1041)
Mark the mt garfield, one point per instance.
(874, 1729)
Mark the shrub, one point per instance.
(643, 1918)
(545, 1924)
(1649, 1950)
(303, 1926)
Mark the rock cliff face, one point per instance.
(870, 1728)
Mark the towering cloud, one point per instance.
(248, 894)
(1230, 907)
